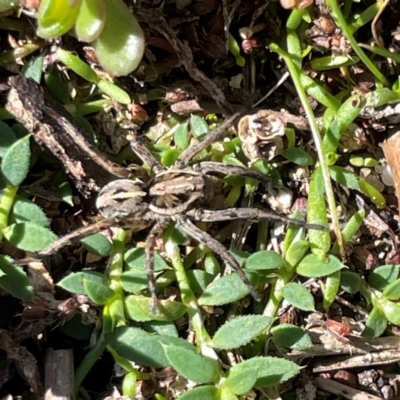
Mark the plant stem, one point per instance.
(6, 203)
(295, 74)
(189, 299)
(347, 31)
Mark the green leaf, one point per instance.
(73, 283)
(56, 17)
(264, 260)
(297, 295)
(391, 310)
(139, 308)
(316, 213)
(296, 252)
(161, 328)
(198, 280)
(129, 385)
(332, 62)
(143, 348)
(57, 86)
(169, 157)
(7, 138)
(312, 267)
(270, 370)
(34, 69)
(382, 276)
(298, 156)
(24, 210)
(201, 393)
(135, 259)
(29, 237)
(241, 381)
(331, 288)
(90, 20)
(134, 281)
(345, 177)
(346, 114)
(191, 365)
(392, 291)
(97, 244)
(97, 287)
(240, 331)
(84, 70)
(120, 46)
(380, 97)
(198, 126)
(376, 323)
(181, 136)
(15, 165)
(14, 280)
(225, 290)
(350, 282)
(291, 336)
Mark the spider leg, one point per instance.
(203, 237)
(77, 234)
(155, 233)
(209, 166)
(254, 214)
(209, 139)
(144, 154)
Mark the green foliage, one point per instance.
(291, 336)
(240, 331)
(97, 244)
(14, 280)
(116, 35)
(191, 365)
(297, 295)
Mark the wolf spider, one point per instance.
(181, 194)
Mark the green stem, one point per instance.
(114, 311)
(276, 295)
(189, 299)
(295, 74)
(6, 202)
(87, 363)
(347, 31)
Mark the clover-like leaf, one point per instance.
(297, 295)
(312, 267)
(291, 336)
(135, 259)
(29, 236)
(15, 165)
(191, 365)
(240, 331)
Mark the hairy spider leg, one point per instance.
(203, 237)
